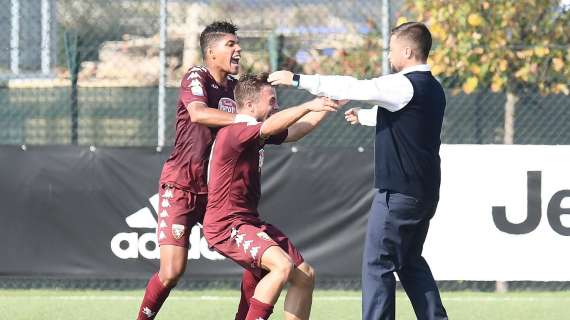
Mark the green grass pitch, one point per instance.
(221, 304)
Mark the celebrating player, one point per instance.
(232, 224)
(205, 103)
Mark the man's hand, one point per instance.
(351, 115)
(324, 104)
(282, 77)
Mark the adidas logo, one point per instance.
(129, 245)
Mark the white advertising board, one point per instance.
(504, 214)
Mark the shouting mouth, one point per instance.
(235, 60)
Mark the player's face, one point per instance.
(226, 54)
(267, 103)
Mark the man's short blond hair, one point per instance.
(249, 87)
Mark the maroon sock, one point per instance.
(258, 310)
(154, 297)
(248, 283)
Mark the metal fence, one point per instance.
(117, 46)
(119, 89)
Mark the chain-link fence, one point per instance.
(116, 46)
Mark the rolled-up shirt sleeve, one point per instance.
(392, 92)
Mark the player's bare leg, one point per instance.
(173, 260)
(280, 267)
(300, 293)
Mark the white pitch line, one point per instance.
(317, 298)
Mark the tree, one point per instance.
(501, 45)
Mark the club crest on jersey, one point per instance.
(177, 231)
(227, 105)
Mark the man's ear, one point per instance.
(210, 53)
(408, 52)
(249, 105)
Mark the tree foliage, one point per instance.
(500, 45)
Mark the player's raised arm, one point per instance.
(392, 92)
(282, 120)
(310, 121)
(195, 95)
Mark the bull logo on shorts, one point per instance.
(177, 231)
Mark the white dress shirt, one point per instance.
(391, 92)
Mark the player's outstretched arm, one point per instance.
(308, 123)
(202, 114)
(286, 118)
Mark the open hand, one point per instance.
(282, 77)
(324, 104)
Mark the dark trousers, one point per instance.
(397, 228)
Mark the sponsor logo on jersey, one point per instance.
(227, 105)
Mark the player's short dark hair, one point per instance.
(214, 31)
(418, 33)
(249, 86)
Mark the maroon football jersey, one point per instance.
(234, 178)
(187, 164)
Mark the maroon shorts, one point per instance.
(247, 244)
(178, 212)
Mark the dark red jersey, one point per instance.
(187, 164)
(234, 178)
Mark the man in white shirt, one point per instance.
(408, 117)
